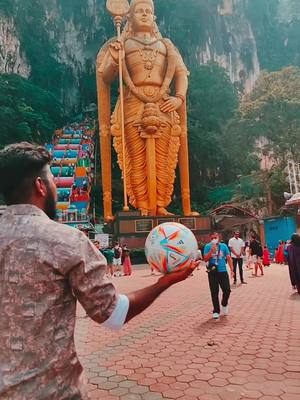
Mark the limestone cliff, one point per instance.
(12, 59)
(231, 43)
(55, 42)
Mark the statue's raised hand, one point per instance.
(115, 48)
(171, 104)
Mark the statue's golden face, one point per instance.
(142, 17)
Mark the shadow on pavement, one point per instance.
(211, 323)
(295, 297)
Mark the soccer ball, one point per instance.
(170, 247)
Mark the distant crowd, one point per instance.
(118, 260)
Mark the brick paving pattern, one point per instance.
(175, 351)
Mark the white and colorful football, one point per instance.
(170, 247)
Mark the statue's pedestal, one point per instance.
(131, 228)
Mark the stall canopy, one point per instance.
(231, 217)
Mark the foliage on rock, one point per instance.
(27, 112)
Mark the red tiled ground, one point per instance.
(175, 351)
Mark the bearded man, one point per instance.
(45, 267)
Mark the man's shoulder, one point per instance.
(207, 247)
(223, 244)
(63, 228)
(55, 231)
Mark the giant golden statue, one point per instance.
(148, 115)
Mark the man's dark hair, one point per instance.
(213, 233)
(20, 164)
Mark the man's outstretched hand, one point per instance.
(142, 299)
(178, 276)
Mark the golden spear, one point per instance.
(119, 9)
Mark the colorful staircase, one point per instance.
(72, 162)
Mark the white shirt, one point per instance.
(237, 245)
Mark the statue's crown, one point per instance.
(135, 2)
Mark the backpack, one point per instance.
(116, 253)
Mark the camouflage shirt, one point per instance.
(44, 267)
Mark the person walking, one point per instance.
(281, 252)
(266, 257)
(45, 268)
(237, 249)
(127, 268)
(294, 261)
(199, 253)
(286, 255)
(256, 253)
(276, 259)
(117, 260)
(109, 255)
(217, 255)
(249, 263)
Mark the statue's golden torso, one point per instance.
(149, 123)
(146, 62)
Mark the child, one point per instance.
(248, 257)
(199, 257)
(126, 261)
(280, 254)
(266, 257)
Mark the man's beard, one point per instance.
(50, 204)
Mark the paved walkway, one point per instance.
(175, 351)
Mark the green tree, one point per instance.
(27, 112)
(267, 125)
(212, 101)
(271, 112)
